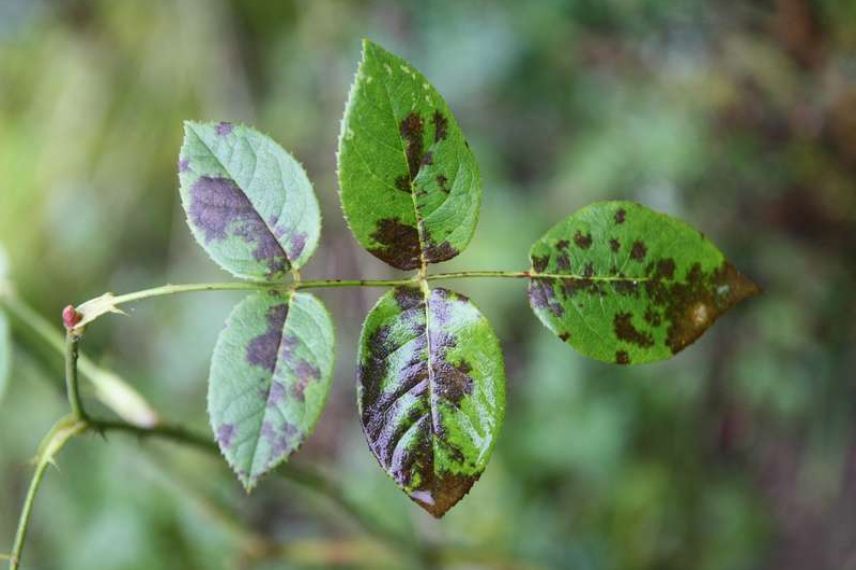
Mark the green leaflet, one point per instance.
(248, 202)
(5, 352)
(270, 376)
(410, 186)
(431, 392)
(622, 283)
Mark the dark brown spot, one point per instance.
(262, 350)
(562, 244)
(403, 183)
(399, 244)
(614, 245)
(621, 357)
(443, 182)
(652, 317)
(565, 336)
(427, 158)
(441, 126)
(411, 130)
(563, 262)
(665, 268)
(436, 252)
(624, 330)
(582, 240)
(620, 215)
(539, 262)
(638, 251)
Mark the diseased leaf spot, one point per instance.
(276, 394)
(564, 336)
(403, 183)
(218, 206)
(262, 350)
(183, 165)
(296, 245)
(652, 317)
(562, 244)
(539, 262)
(620, 216)
(542, 296)
(399, 243)
(225, 435)
(411, 130)
(427, 158)
(280, 440)
(223, 128)
(443, 183)
(441, 126)
(582, 240)
(624, 330)
(306, 373)
(614, 245)
(638, 251)
(621, 357)
(666, 268)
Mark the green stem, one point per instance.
(62, 432)
(72, 387)
(32, 328)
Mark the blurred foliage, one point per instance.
(738, 117)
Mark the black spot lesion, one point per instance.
(583, 240)
(441, 126)
(614, 245)
(399, 243)
(620, 216)
(638, 251)
(621, 357)
(625, 330)
(412, 129)
(691, 306)
(443, 183)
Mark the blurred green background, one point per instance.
(739, 117)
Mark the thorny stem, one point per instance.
(79, 422)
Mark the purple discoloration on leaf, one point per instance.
(224, 128)
(262, 350)
(225, 435)
(183, 165)
(296, 245)
(276, 394)
(218, 206)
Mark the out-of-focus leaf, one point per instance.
(622, 283)
(270, 376)
(249, 203)
(431, 392)
(410, 186)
